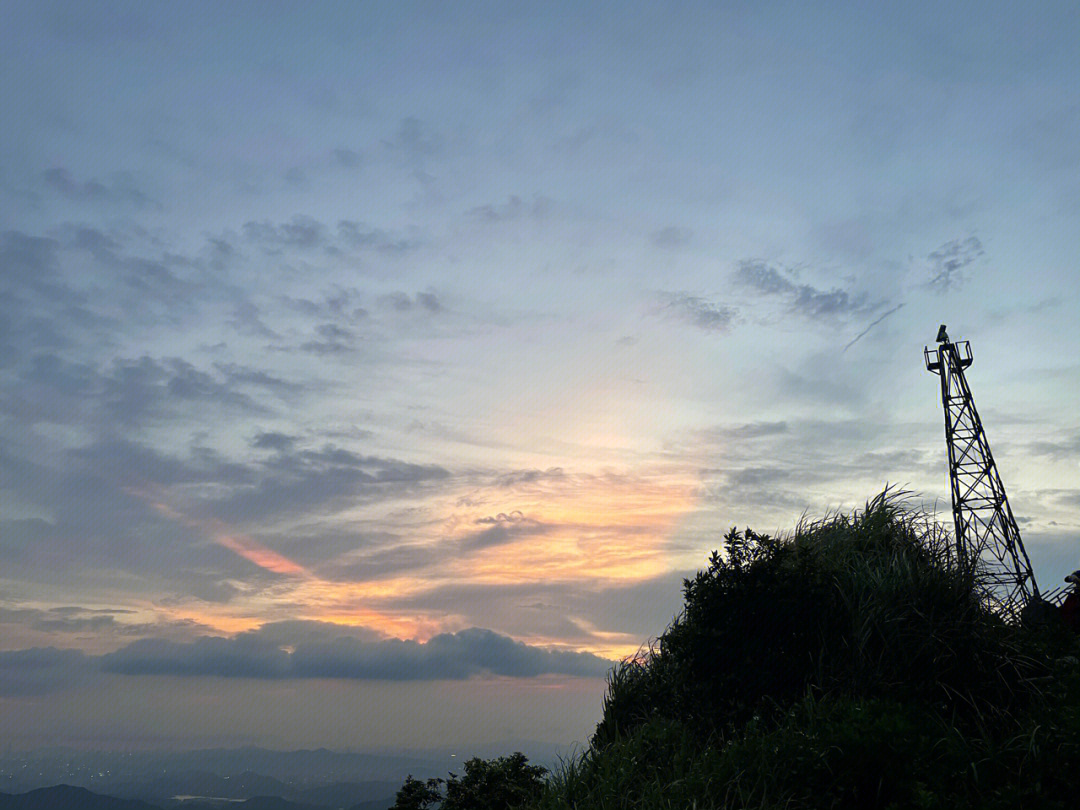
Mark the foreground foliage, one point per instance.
(504, 783)
(852, 664)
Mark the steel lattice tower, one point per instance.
(986, 531)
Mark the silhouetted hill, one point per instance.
(129, 773)
(301, 765)
(274, 803)
(254, 803)
(348, 794)
(66, 797)
(857, 662)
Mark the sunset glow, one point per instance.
(374, 374)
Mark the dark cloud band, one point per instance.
(448, 656)
(273, 653)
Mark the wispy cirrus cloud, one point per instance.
(515, 208)
(672, 236)
(948, 263)
(698, 312)
(804, 299)
(121, 188)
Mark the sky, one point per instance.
(372, 374)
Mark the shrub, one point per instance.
(504, 783)
(852, 664)
(871, 605)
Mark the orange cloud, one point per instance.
(611, 528)
(240, 544)
(304, 596)
(552, 527)
(262, 556)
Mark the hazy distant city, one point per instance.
(319, 778)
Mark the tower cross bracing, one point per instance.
(987, 536)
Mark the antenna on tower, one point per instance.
(987, 536)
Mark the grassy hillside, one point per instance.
(851, 664)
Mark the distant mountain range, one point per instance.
(319, 778)
(67, 797)
(247, 778)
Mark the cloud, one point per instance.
(291, 632)
(41, 670)
(103, 521)
(210, 587)
(239, 375)
(26, 259)
(784, 468)
(499, 529)
(399, 301)
(305, 480)
(246, 656)
(402, 302)
(83, 288)
(392, 556)
(698, 312)
(96, 242)
(332, 339)
(261, 654)
(513, 209)
(273, 441)
(1066, 449)
(724, 435)
(354, 235)
(615, 618)
(447, 656)
(297, 178)
(948, 262)
(154, 277)
(147, 465)
(671, 236)
(763, 278)
(133, 390)
(101, 626)
(127, 392)
(516, 477)
(347, 158)
(121, 189)
(247, 320)
(39, 309)
(757, 477)
(802, 299)
(428, 301)
(117, 504)
(61, 620)
(306, 233)
(415, 140)
(301, 232)
(338, 304)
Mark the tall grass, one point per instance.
(852, 663)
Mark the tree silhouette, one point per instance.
(504, 783)
(496, 784)
(415, 794)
